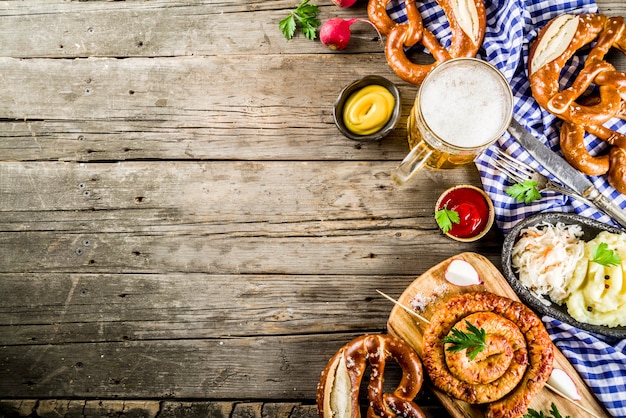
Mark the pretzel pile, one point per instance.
(580, 110)
(338, 389)
(467, 21)
(510, 370)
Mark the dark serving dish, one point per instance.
(590, 228)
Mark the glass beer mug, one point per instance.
(462, 106)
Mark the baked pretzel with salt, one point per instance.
(581, 112)
(467, 20)
(338, 389)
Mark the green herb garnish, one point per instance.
(524, 192)
(554, 411)
(473, 340)
(605, 256)
(445, 218)
(305, 15)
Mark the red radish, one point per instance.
(344, 3)
(335, 32)
(462, 273)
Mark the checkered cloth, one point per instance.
(511, 26)
(600, 361)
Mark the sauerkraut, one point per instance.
(545, 257)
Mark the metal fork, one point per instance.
(519, 172)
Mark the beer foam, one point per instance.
(466, 104)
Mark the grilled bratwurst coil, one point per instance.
(467, 19)
(508, 372)
(338, 389)
(555, 45)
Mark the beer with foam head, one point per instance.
(462, 107)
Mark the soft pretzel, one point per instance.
(617, 168)
(556, 43)
(512, 368)
(581, 112)
(574, 150)
(338, 389)
(467, 21)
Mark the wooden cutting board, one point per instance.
(431, 289)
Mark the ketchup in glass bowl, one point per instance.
(464, 213)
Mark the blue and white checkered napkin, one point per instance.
(511, 26)
(600, 361)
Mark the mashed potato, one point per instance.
(597, 293)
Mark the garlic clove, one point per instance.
(562, 382)
(462, 273)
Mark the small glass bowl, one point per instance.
(466, 195)
(355, 86)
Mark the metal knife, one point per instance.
(567, 174)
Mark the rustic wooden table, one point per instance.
(184, 232)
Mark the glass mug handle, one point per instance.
(412, 163)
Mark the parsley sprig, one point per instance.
(445, 218)
(602, 254)
(473, 340)
(524, 192)
(306, 16)
(539, 414)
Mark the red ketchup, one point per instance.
(472, 208)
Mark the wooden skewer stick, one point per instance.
(558, 392)
(421, 318)
(406, 308)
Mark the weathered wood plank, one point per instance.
(59, 29)
(152, 409)
(220, 218)
(190, 108)
(281, 367)
(252, 191)
(102, 140)
(182, 89)
(168, 409)
(209, 94)
(50, 308)
(127, 367)
(350, 250)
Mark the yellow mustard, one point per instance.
(368, 110)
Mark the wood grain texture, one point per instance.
(183, 230)
(92, 110)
